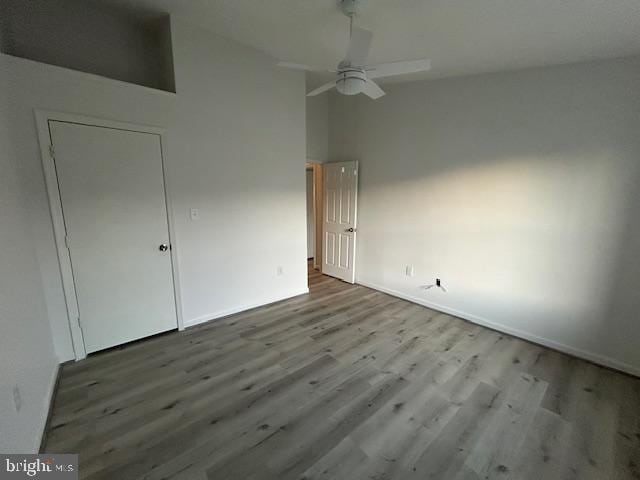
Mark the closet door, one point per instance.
(111, 186)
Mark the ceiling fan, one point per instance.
(353, 75)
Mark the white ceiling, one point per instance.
(460, 36)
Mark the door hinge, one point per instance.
(52, 152)
(67, 242)
(80, 326)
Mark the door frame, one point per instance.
(43, 117)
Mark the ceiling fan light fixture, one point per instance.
(351, 82)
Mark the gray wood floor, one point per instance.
(345, 383)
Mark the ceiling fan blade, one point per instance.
(359, 47)
(372, 90)
(323, 88)
(300, 66)
(397, 68)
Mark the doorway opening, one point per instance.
(313, 182)
(332, 196)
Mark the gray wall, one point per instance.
(521, 191)
(91, 37)
(27, 360)
(236, 151)
(317, 128)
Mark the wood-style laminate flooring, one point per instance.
(344, 383)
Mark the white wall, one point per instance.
(235, 150)
(318, 128)
(27, 357)
(521, 191)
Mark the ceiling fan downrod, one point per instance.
(350, 9)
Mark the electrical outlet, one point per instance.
(438, 284)
(409, 271)
(17, 398)
(279, 271)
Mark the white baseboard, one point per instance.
(48, 404)
(561, 347)
(246, 306)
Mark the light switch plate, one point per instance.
(195, 214)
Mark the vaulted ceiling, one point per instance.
(460, 36)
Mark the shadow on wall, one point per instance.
(623, 300)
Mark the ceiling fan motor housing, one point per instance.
(351, 81)
(350, 7)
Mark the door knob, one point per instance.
(350, 230)
(163, 247)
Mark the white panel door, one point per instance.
(340, 214)
(111, 184)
